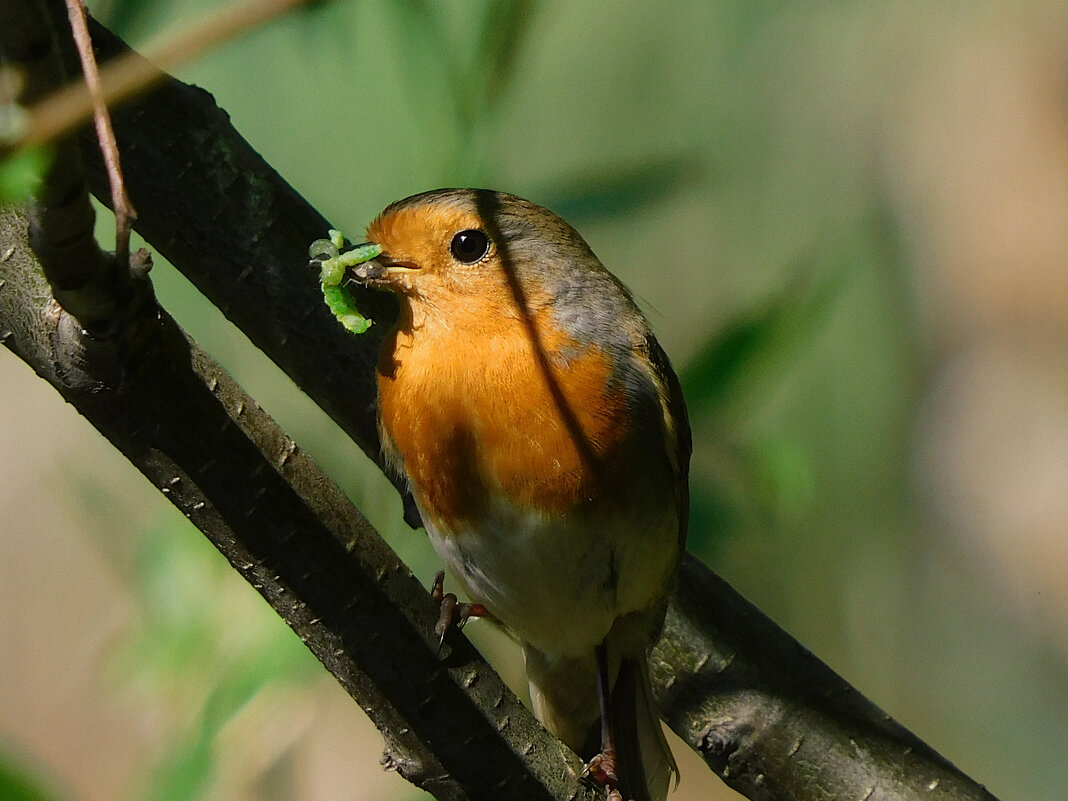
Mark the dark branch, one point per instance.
(775, 722)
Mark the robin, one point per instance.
(545, 440)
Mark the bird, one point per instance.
(544, 436)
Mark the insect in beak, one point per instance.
(370, 272)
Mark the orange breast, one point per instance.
(474, 415)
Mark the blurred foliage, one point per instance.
(205, 649)
(725, 161)
(17, 785)
(604, 193)
(20, 173)
(771, 332)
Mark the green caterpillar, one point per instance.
(337, 296)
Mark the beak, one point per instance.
(381, 272)
(369, 273)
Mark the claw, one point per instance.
(447, 618)
(602, 769)
(437, 589)
(454, 614)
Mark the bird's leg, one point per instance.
(602, 768)
(454, 614)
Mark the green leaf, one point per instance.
(21, 172)
(129, 18)
(423, 40)
(770, 333)
(17, 785)
(504, 30)
(714, 515)
(621, 189)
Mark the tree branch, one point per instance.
(770, 718)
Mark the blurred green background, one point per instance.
(848, 225)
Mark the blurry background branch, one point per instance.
(68, 107)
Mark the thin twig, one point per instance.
(125, 214)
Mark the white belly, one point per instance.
(557, 583)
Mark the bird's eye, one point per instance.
(470, 246)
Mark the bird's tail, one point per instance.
(564, 694)
(643, 757)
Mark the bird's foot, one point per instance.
(454, 613)
(602, 769)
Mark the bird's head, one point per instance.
(451, 249)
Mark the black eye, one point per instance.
(470, 246)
